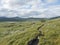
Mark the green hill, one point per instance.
(51, 31)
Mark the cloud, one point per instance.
(51, 1)
(8, 13)
(29, 8)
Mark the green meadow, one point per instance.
(20, 33)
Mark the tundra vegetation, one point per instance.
(21, 33)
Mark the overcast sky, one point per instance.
(30, 8)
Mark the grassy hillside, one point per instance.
(51, 31)
(20, 33)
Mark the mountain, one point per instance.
(24, 19)
(19, 19)
(55, 17)
(10, 19)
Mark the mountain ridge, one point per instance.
(24, 19)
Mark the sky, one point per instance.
(30, 8)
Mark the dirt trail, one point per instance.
(36, 40)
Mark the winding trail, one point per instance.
(36, 40)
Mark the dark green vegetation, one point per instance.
(39, 32)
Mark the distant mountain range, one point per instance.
(55, 17)
(24, 19)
